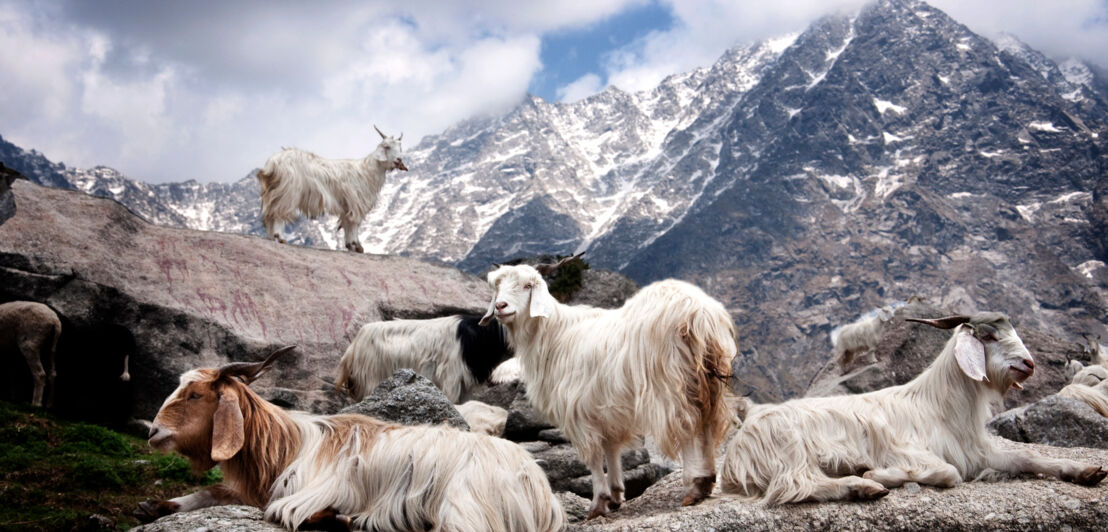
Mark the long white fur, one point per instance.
(930, 430)
(32, 329)
(429, 347)
(859, 336)
(607, 376)
(1089, 384)
(296, 182)
(404, 478)
(483, 418)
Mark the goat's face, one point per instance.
(390, 152)
(201, 419)
(519, 293)
(989, 350)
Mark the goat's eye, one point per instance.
(988, 337)
(194, 395)
(527, 286)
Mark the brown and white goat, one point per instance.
(930, 430)
(351, 470)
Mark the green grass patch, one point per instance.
(55, 474)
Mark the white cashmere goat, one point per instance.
(331, 472)
(860, 336)
(454, 352)
(930, 430)
(33, 330)
(298, 182)
(657, 366)
(1088, 384)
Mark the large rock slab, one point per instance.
(217, 518)
(1021, 504)
(194, 298)
(409, 399)
(1055, 420)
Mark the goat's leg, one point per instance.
(601, 496)
(615, 474)
(924, 468)
(216, 495)
(31, 353)
(1022, 461)
(274, 229)
(350, 234)
(698, 465)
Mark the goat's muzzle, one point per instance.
(158, 436)
(399, 165)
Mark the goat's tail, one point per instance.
(710, 335)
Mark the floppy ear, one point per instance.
(970, 354)
(488, 314)
(227, 429)
(542, 303)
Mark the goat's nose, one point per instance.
(153, 432)
(1030, 364)
(501, 305)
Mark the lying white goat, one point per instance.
(298, 182)
(657, 365)
(930, 430)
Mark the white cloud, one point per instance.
(582, 87)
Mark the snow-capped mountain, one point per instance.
(803, 181)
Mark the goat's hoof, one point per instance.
(700, 490)
(278, 239)
(151, 510)
(869, 491)
(328, 520)
(355, 247)
(602, 506)
(616, 500)
(1091, 476)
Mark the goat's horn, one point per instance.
(379, 131)
(550, 269)
(948, 322)
(401, 137)
(249, 371)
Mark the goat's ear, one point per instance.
(970, 354)
(228, 434)
(488, 314)
(542, 303)
(1073, 368)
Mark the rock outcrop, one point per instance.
(194, 299)
(1054, 420)
(409, 399)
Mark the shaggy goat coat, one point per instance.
(930, 430)
(384, 476)
(454, 352)
(657, 366)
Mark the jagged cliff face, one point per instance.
(801, 181)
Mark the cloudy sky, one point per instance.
(206, 90)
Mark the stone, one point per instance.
(1025, 503)
(409, 399)
(232, 518)
(201, 299)
(1054, 420)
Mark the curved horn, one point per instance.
(379, 131)
(249, 371)
(551, 269)
(948, 322)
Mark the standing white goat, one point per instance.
(298, 182)
(657, 365)
(930, 430)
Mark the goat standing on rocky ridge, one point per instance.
(297, 182)
(347, 469)
(930, 430)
